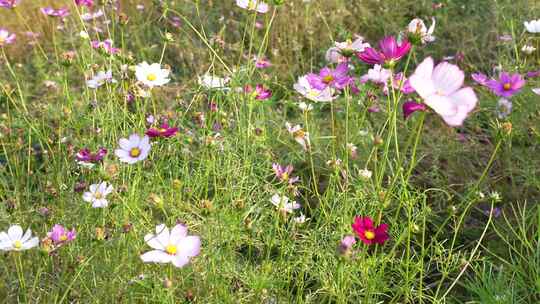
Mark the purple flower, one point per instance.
(88, 3)
(346, 244)
(6, 37)
(284, 173)
(163, 131)
(405, 87)
(410, 107)
(60, 13)
(533, 74)
(84, 155)
(60, 235)
(507, 85)
(337, 78)
(9, 3)
(106, 45)
(262, 93)
(480, 78)
(262, 63)
(391, 51)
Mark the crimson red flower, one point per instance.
(163, 131)
(369, 234)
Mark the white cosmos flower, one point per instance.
(99, 79)
(133, 149)
(365, 174)
(504, 108)
(341, 51)
(377, 74)
(15, 240)
(528, 49)
(299, 135)
(532, 26)
(98, 195)
(282, 203)
(253, 5)
(305, 107)
(536, 91)
(173, 246)
(303, 87)
(151, 75)
(301, 219)
(418, 27)
(211, 82)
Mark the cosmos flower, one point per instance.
(342, 51)
(88, 3)
(174, 246)
(504, 108)
(440, 87)
(536, 91)
(337, 78)
(410, 107)
(299, 135)
(262, 63)
(92, 15)
(528, 49)
(303, 87)
(532, 26)
(98, 195)
(346, 244)
(253, 5)
(6, 37)
(211, 82)
(164, 130)
(60, 13)
(86, 157)
(405, 87)
(260, 92)
(100, 79)
(418, 31)
(151, 75)
(9, 3)
(480, 78)
(106, 46)
(391, 51)
(377, 74)
(507, 85)
(283, 204)
(368, 233)
(15, 240)
(133, 149)
(60, 235)
(284, 173)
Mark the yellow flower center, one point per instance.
(299, 134)
(171, 249)
(162, 130)
(135, 152)
(328, 78)
(506, 86)
(98, 195)
(17, 244)
(63, 237)
(370, 235)
(151, 77)
(285, 176)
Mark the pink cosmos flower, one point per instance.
(336, 78)
(260, 92)
(85, 155)
(262, 63)
(480, 78)
(88, 3)
(507, 85)
(346, 244)
(533, 74)
(6, 37)
(440, 87)
(163, 131)
(405, 87)
(410, 107)
(391, 51)
(60, 13)
(9, 3)
(253, 5)
(377, 75)
(106, 45)
(284, 173)
(60, 235)
(368, 233)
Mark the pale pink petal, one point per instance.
(33, 242)
(536, 91)
(443, 105)
(153, 242)
(124, 144)
(180, 260)
(421, 79)
(163, 234)
(178, 233)
(190, 246)
(156, 256)
(447, 78)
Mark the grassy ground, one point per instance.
(445, 245)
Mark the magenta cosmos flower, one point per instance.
(391, 51)
(368, 233)
(85, 155)
(9, 3)
(88, 3)
(337, 78)
(106, 46)
(480, 78)
(60, 13)
(410, 107)
(284, 173)
(507, 85)
(6, 37)
(163, 131)
(440, 87)
(260, 92)
(60, 235)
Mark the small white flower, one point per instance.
(173, 246)
(98, 195)
(84, 35)
(253, 5)
(528, 49)
(365, 174)
(305, 107)
(495, 196)
(417, 27)
(504, 108)
(133, 149)
(536, 91)
(99, 79)
(532, 26)
(282, 203)
(16, 241)
(211, 82)
(151, 75)
(377, 74)
(341, 51)
(303, 87)
(300, 219)
(299, 135)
